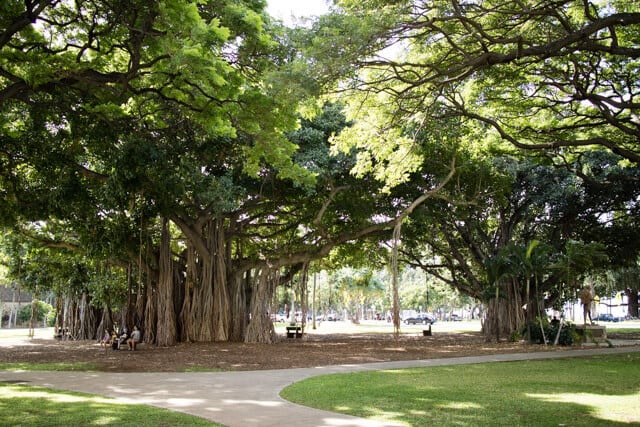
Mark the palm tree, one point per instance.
(533, 260)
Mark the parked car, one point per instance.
(429, 317)
(278, 317)
(605, 317)
(455, 317)
(421, 319)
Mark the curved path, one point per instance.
(248, 398)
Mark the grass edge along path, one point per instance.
(583, 391)
(27, 406)
(49, 366)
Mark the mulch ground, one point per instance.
(310, 351)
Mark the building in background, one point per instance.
(12, 299)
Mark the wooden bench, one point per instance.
(294, 331)
(62, 334)
(426, 332)
(124, 347)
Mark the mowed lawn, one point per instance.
(30, 406)
(584, 391)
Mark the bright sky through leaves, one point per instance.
(288, 10)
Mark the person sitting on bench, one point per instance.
(106, 338)
(135, 338)
(123, 337)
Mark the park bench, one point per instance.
(124, 347)
(63, 334)
(60, 334)
(426, 332)
(294, 331)
(136, 345)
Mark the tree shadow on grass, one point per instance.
(22, 405)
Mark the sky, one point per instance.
(285, 9)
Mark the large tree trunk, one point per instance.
(33, 317)
(70, 322)
(179, 291)
(202, 305)
(206, 313)
(187, 320)
(304, 299)
(150, 313)
(260, 328)
(129, 313)
(59, 312)
(505, 315)
(80, 317)
(87, 328)
(141, 292)
(141, 297)
(632, 298)
(238, 285)
(221, 312)
(167, 330)
(106, 321)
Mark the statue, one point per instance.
(586, 298)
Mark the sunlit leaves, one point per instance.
(550, 77)
(385, 151)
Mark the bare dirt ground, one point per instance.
(309, 351)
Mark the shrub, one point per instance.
(567, 334)
(51, 317)
(24, 315)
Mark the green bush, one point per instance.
(51, 317)
(24, 315)
(567, 334)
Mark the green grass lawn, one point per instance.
(622, 329)
(27, 406)
(589, 391)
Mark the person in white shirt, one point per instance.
(134, 339)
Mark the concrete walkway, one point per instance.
(250, 398)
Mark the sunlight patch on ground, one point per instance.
(460, 405)
(341, 422)
(58, 398)
(617, 408)
(265, 403)
(104, 421)
(183, 403)
(379, 414)
(125, 390)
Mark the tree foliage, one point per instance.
(154, 163)
(555, 77)
(517, 230)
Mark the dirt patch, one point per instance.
(310, 351)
